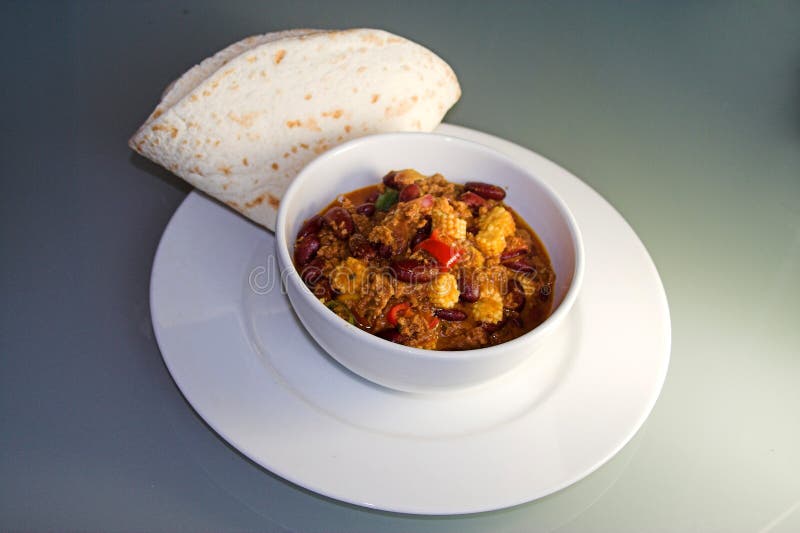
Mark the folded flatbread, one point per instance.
(243, 123)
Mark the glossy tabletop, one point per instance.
(684, 115)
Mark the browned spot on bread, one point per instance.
(292, 123)
(304, 146)
(312, 124)
(173, 131)
(414, 98)
(233, 86)
(347, 128)
(271, 200)
(372, 39)
(263, 73)
(256, 201)
(399, 110)
(225, 170)
(206, 93)
(321, 148)
(361, 69)
(173, 167)
(252, 59)
(157, 113)
(275, 166)
(394, 40)
(336, 113)
(196, 170)
(307, 96)
(228, 72)
(246, 120)
(355, 90)
(294, 149)
(375, 98)
(198, 156)
(192, 124)
(339, 138)
(225, 186)
(232, 204)
(245, 162)
(279, 55)
(285, 155)
(338, 58)
(215, 84)
(216, 143)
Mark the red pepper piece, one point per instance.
(396, 311)
(445, 254)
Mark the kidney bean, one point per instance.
(323, 290)
(310, 226)
(367, 209)
(305, 249)
(392, 335)
(472, 199)
(513, 252)
(452, 315)
(515, 297)
(360, 247)
(491, 328)
(468, 287)
(486, 190)
(520, 264)
(413, 271)
(410, 192)
(416, 239)
(390, 179)
(312, 272)
(421, 234)
(372, 197)
(385, 251)
(339, 221)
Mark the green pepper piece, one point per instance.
(341, 310)
(386, 200)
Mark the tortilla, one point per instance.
(241, 124)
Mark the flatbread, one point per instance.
(241, 124)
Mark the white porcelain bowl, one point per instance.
(363, 162)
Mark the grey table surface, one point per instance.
(684, 115)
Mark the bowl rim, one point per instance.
(287, 264)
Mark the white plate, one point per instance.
(242, 359)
